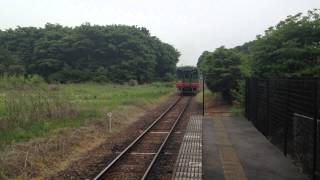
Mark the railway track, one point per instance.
(137, 159)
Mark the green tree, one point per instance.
(88, 52)
(222, 71)
(202, 61)
(290, 49)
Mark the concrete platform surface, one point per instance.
(234, 150)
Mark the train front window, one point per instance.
(187, 76)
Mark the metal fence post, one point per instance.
(203, 81)
(286, 126)
(255, 102)
(247, 99)
(315, 140)
(268, 107)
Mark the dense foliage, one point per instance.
(289, 49)
(222, 70)
(114, 53)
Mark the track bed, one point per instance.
(137, 159)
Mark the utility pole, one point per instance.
(203, 81)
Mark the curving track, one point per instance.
(137, 159)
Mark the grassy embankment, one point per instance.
(30, 109)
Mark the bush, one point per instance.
(168, 77)
(18, 70)
(239, 94)
(20, 82)
(223, 72)
(133, 82)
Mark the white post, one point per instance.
(110, 120)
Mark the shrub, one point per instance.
(133, 82)
(222, 69)
(239, 94)
(8, 82)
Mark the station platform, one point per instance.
(230, 148)
(189, 161)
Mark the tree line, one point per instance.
(289, 49)
(111, 53)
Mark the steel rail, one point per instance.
(165, 141)
(100, 175)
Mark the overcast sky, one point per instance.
(191, 26)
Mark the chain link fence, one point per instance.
(287, 112)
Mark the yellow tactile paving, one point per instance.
(232, 167)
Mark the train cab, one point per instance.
(187, 80)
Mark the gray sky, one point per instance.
(192, 26)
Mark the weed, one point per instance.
(236, 110)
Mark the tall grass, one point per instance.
(35, 105)
(26, 102)
(20, 82)
(31, 108)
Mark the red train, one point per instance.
(188, 80)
